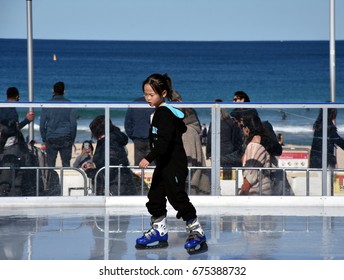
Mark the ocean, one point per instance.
(112, 71)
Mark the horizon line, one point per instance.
(160, 40)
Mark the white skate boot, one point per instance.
(196, 241)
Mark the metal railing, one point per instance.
(215, 108)
(42, 178)
(237, 172)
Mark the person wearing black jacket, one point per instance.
(333, 139)
(118, 156)
(171, 170)
(11, 113)
(231, 142)
(14, 152)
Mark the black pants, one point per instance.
(171, 184)
(62, 145)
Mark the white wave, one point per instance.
(293, 129)
(301, 129)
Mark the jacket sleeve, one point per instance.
(165, 127)
(271, 143)
(23, 123)
(42, 125)
(254, 157)
(339, 141)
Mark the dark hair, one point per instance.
(97, 126)
(254, 124)
(59, 88)
(176, 97)
(159, 83)
(239, 113)
(12, 92)
(242, 95)
(332, 115)
(89, 142)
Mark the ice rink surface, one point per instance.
(233, 233)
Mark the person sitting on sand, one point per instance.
(86, 154)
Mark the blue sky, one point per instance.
(228, 20)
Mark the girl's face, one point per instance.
(152, 98)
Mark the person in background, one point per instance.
(230, 143)
(200, 179)
(14, 152)
(168, 182)
(118, 156)
(271, 144)
(279, 183)
(11, 113)
(255, 156)
(280, 138)
(333, 140)
(58, 128)
(241, 96)
(136, 125)
(86, 154)
(204, 134)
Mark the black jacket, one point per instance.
(316, 150)
(12, 114)
(231, 143)
(166, 138)
(118, 156)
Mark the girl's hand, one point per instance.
(143, 163)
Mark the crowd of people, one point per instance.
(168, 138)
(246, 141)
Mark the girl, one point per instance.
(255, 156)
(171, 170)
(118, 156)
(86, 154)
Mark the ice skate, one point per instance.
(156, 237)
(196, 241)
